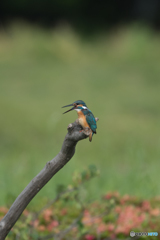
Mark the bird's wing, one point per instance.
(91, 121)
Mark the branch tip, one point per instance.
(70, 126)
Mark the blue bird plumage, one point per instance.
(90, 119)
(80, 103)
(85, 116)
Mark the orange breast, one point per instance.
(82, 120)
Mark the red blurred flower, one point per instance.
(52, 225)
(155, 212)
(118, 209)
(89, 237)
(109, 195)
(101, 228)
(41, 228)
(125, 198)
(47, 214)
(146, 205)
(110, 227)
(129, 218)
(35, 223)
(86, 212)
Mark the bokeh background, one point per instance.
(104, 53)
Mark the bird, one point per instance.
(85, 116)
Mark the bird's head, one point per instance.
(77, 105)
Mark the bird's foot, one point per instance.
(87, 131)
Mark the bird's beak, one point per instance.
(69, 106)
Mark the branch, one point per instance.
(51, 168)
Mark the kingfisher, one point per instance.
(85, 116)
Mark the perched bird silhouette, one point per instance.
(85, 116)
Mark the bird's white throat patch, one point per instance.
(78, 110)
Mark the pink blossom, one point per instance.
(113, 236)
(155, 212)
(118, 209)
(146, 205)
(102, 228)
(110, 227)
(121, 229)
(87, 219)
(41, 228)
(109, 195)
(52, 225)
(96, 220)
(86, 212)
(125, 198)
(89, 237)
(47, 214)
(35, 223)
(129, 218)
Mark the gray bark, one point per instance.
(51, 168)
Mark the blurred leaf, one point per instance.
(93, 170)
(80, 225)
(60, 188)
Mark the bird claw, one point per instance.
(87, 131)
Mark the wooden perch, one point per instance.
(51, 168)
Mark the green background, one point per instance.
(116, 74)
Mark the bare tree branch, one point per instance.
(51, 168)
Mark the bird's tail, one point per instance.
(90, 136)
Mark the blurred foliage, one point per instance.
(112, 217)
(116, 74)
